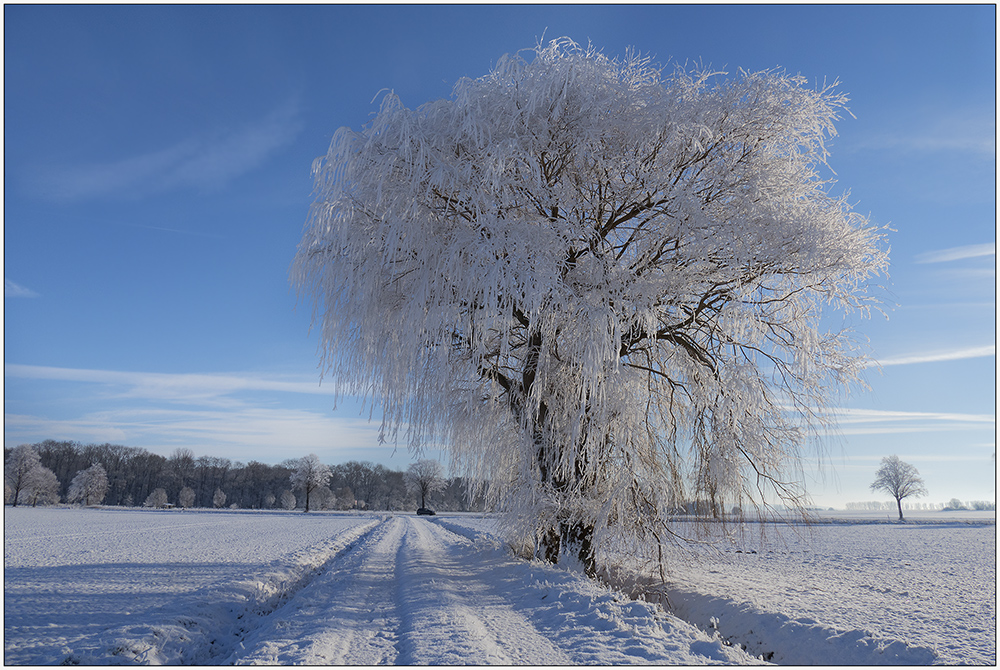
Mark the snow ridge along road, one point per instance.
(412, 592)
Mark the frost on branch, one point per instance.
(601, 285)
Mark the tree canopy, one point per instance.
(602, 286)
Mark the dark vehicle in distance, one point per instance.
(425, 511)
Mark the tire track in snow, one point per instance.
(409, 593)
(453, 613)
(347, 616)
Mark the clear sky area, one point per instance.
(157, 179)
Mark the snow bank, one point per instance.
(778, 638)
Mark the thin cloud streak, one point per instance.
(191, 388)
(194, 162)
(970, 132)
(12, 290)
(891, 422)
(958, 253)
(849, 415)
(940, 356)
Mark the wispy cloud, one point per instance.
(179, 388)
(958, 253)
(195, 162)
(941, 355)
(883, 422)
(12, 290)
(970, 132)
(239, 416)
(854, 415)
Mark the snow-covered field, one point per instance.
(108, 586)
(929, 583)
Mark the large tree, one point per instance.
(899, 479)
(601, 285)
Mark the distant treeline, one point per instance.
(135, 476)
(890, 506)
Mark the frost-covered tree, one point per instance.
(26, 480)
(323, 498)
(219, 498)
(17, 470)
(89, 486)
(186, 497)
(287, 500)
(158, 498)
(898, 479)
(425, 477)
(604, 286)
(42, 487)
(309, 475)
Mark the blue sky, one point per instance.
(157, 179)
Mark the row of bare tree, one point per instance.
(953, 504)
(135, 477)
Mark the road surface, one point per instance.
(412, 592)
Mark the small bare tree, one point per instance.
(423, 478)
(310, 475)
(898, 479)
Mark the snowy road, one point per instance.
(412, 592)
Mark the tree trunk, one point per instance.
(899, 504)
(580, 541)
(550, 545)
(577, 537)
